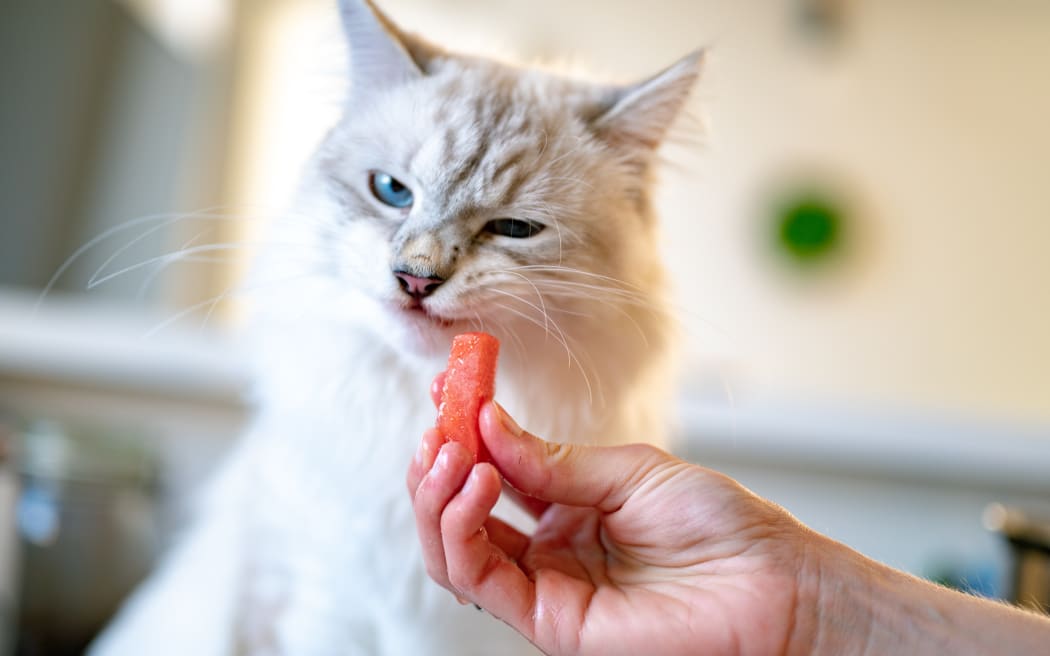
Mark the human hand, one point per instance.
(637, 552)
(634, 551)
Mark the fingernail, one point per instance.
(507, 422)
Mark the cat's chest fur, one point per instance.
(332, 561)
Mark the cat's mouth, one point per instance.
(416, 311)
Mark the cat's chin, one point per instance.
(421, 332)
(418, 315)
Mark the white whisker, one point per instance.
(572, 359)
(164, 259)
(547, 321)
(152, 275)
(539, 296)
(214, 300)
(106, 234)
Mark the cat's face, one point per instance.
(460, 194)
(465, 194)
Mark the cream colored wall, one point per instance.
(933, 114)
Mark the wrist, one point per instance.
(837, 611)
(851, 604)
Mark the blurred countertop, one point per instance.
(916, 445)
(76, 342)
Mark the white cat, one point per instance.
(455, 194)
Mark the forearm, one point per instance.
(866, 608)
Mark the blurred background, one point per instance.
(857, 220)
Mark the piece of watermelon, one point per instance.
(470, 380)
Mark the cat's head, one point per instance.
(458, 193)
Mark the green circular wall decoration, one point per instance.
(808, 225)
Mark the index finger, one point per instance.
(543, 605)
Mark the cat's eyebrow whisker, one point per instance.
(568, 153)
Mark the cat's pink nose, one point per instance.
(415, 286)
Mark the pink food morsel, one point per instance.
(470, 381)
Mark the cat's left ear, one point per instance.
(639, 115)
(382, 55)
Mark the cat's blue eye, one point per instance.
(515, 228)
(389, 190)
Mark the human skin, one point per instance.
(636, 551)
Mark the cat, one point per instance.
(456, 193)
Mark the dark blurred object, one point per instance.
(87, 532)
(1029, 540)
(8, 543)
(974, 577)
(821, 21)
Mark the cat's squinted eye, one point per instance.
(389, 190)
(514, 228)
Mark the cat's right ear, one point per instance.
(638, 116)
(381, 54)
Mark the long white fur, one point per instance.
(306, 544)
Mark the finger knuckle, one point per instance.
(461, 580)
(558, 452)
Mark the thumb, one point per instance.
(570, 474)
